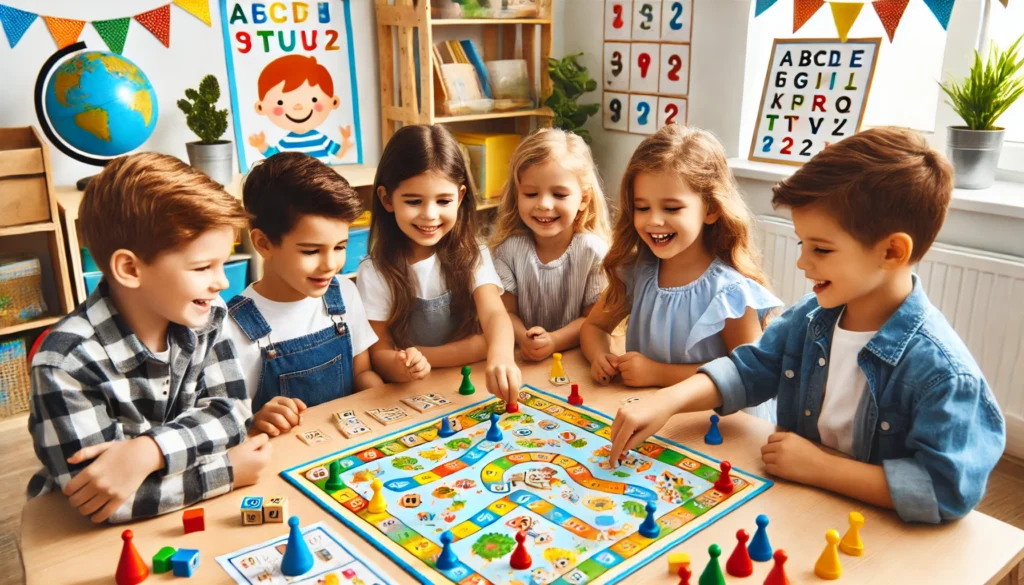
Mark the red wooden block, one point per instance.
(194, 520)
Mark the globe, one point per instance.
(101, 103)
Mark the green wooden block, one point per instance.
(162, 559)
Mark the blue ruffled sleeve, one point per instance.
(731, 302)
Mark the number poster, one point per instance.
(814, 94)
(646, 64)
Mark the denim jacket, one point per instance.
(929, 420)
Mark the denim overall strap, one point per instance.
(431, 323)
(244, 312)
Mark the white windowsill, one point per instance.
(1005, 198)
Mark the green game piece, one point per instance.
(467, 386)
(712, 574)
(162, 560)
(334, 482)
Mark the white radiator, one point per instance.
(980, 293)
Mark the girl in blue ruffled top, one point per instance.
(682, 267)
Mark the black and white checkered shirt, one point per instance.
(93, 381)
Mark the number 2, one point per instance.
(677, 13)
(648, 12)
(767, 144)
(644, 61)
(616, 63)
(616, 107)
(645, 109)
(671, 110)
(806, 150)
(617, 22)
(788, 148)
(677, 63)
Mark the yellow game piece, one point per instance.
(331, 579)
(676, 560)
(828, 566)
(558, 376)
(851, 543)
(378, 505)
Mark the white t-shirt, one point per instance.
(844, 389)
(377, 296)
(297, 319)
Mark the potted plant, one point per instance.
(569, 81)
(210, 154)
(990, 88)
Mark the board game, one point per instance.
(547, 477)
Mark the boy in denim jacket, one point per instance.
(866, 365)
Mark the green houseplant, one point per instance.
(209, 154)
(991, 87)
(569, 81)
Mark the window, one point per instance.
(1005, 26)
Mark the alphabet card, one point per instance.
(814, 94)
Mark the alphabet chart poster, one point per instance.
(646, 64)
(292, 76)
(814, 94)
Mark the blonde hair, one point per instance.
(699, 160)
(568, 150)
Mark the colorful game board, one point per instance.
(545, 477)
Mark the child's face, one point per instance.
(299, 110)
(667, 213)
(843, 269)
(426, 207)
(309, 255)
(180, 284)
(549, 199)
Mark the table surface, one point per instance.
(59, 546)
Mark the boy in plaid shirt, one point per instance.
(138, 404)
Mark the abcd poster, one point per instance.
(291, 73)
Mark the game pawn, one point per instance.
(558, 377)
(574, 396)
(378, 504)
(649, 527)
(334, 482)
(851, 543)
(714, 436)
(297, 559)
(760, 549)
(520, 560)
(446, 429)
(739, 563)
(724, 482)
(777, 576)
(684, 574)
(828, 566)
(131, 569)
(712, 574)
(494, 432)
(447, 559)
(466, 388)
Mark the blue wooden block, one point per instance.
(252, 510)
(185, 562)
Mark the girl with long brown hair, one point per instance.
(682, 266)
(430, 291)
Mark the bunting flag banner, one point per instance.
(803, 10)
(15, 23)
(114, 32)
(845, 14)
(942, 9)
(158, 22)
(763, 5)
(1005, 3)
(64, 30)
(197, 8)
(890, 12)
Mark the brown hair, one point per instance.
(699, 160)
(568, 150)
(293, 70)
(281, 189)
(151, 203)
(414, 150)
(875, 183)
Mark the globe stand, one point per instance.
(84, 182)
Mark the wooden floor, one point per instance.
(18, 462)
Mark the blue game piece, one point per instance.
(447, 559)
(649, 527)
(714, 436)
(759, 548)
(494, 433)
(446, 428)
(185, 562)
(297, 558)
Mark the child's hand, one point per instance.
(634, 423)
(414, 362)
(277, 416)
(637, 370)
(604, 368)
(538, 345)
(259, 141)
(117, 470)
(249, 459)
(790, 456)
(504, 380)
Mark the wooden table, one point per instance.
(59, 546)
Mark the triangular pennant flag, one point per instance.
(890, 12)
(64, 30)
(942, 9)
(763, 5)
(158, 22)
(803, 10)
(1005, 3)
(113, 32)
(15, 23)
(845, 14)
(197, 8)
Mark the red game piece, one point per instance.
(131, 569)
(777, 576)
(739, 564)
(512, 407)
(520, 560)
(193, 520)
(574, 396)
(724, 483)
(684, 575)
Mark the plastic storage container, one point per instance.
(358, 246)
(236, 272)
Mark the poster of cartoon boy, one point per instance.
(297, 94)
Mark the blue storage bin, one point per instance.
(358, 242)
(237, 273)
(92, 280)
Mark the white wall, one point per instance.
(196, 50)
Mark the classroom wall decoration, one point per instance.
(814, 94)
(646, 64)
(845, 13)
(291, 72)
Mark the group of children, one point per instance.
(153, 395)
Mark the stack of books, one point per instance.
(465, 83)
